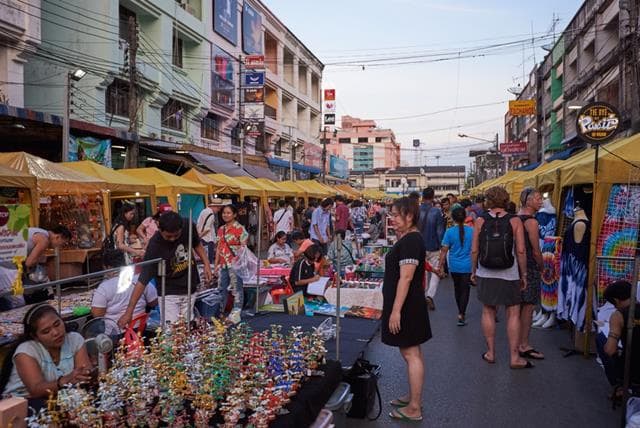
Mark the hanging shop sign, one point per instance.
(14, 227)
(254, 78)
(253, 112)
(89, 148)
(254, 62)
(329, 107)
(253, 95)
(597, 122)
(225, 20)
(251, 31)
(330, 119)
(254, 132)
(522, 107)
(329, 94)
(514, 148)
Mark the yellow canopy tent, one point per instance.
(350, 191)
(546, 178)
(51, 178)
(268, 189)
(246, 189)
(374, 194)
(319, 189)
(480, 188)
(117, 184)
(296, 189)
(288, 191)
(307, 190)
(214, 186)
(10, 177)
(167, 185)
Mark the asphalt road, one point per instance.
(461, 390)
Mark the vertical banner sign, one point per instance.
(223, 87)
(329, 94)
(251, 30)
(329, 107)
(14, 231)
(597, 122)
(225, 20)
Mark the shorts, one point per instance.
(498, 292)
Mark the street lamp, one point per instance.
(494, 141)
(292, 148)
(75, 76)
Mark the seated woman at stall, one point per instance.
(301, 243)
(303, 272)
(346, 257)
(120, 233)
(45, 358)
(111, 298)
(280, 252)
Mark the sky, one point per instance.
(424, 56)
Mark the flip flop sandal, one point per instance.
(529, 354)
(397, 414)
(398, 403)
(484, 357)
(526, 366)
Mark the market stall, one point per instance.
(245, 188)
(308, 191)
(182, 194)
(546, 178)
(214, 186)
(349, 191)
(118, 185)
(317, 188)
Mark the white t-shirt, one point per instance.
(207, 220)
(283, 218)
(114, 294)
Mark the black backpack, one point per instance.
(496, 242)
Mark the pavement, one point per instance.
(461, 390)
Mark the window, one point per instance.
(124, 15)
(172, 115)
(177, 49)
(277, 147)
(344, 140)
(209, 128)
(117, 98)
(363, 140)
(378, 139)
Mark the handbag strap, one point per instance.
(224, 238)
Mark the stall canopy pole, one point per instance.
(631, 323)
(591, 287)
(338, 284)
(189, 261)
(259, 245)
(162, 269)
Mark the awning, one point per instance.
(569, 138)
(298, 167)
(529, 167)
(565, 154)
(220, 165)
(214, 186)
(260, 172)
(246, 188)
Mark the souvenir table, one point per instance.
(357, 293)
(371, 265)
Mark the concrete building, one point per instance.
(20, 27)
(406, 179)
(365, 146)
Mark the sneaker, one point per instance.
(235, 316)
(461, 322)
(430, 304)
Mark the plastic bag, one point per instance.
(245, 265)
(327, 329)
(633, 412)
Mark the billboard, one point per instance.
(522, 107)
(225, 19)
(223, 87)
(253, 95)
(89, 148)
(251, 30)
(514, 148)
(312, 155)
(338, 167)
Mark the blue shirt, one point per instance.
(321, 219)
(459, 253)
(431, 226)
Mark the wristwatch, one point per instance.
(58, 383)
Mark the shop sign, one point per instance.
(254, 111)
(252, 32)
(514, 148)
(253, 95)
(522, 107)
(597, 122)
(254, 62)
(14, 231)
(329, 107)
(225, 20)
(338, 167)
(254, 132)
(330, 119)
(254, 78)
(329, 94)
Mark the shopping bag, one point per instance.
(245, 264)
(363, 378)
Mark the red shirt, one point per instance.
(342, 217)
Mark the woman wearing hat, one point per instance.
(207, 226)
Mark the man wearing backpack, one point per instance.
(431, 225)
(499, 269)
(207, 226)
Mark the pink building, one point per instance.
(364, 145)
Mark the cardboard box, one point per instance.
(13, 412)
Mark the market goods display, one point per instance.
(82, 214)
(209, 376)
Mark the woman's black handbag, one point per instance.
(363, 378)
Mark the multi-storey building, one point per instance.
(365, 146)
(405, 179)
(182, 100)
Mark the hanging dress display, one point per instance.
(618, 237)
(550, 247)
(572, 290)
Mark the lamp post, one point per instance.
(72, 76)
(494, 142)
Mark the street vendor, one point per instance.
(300, 244)
(303, 272)
(38, 242)
(280, 252)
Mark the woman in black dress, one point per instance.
(405, 319)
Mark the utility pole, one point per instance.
(324, 155)
(66, 118)
(134, 148)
